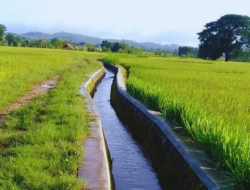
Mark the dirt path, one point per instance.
(39, 88)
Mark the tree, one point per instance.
(17, 41)
(57, 43)
(158, 52)
(106, 46)
(119, 48)
(40, 43)
(13, 40)
(188, 51)
(115, 47)
(2, 33)
(25, 42)
(91, 47)
(225, 35)
(241, 55)
(211, 48)
(10, 38)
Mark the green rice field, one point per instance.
(210, 99)
(41, 142)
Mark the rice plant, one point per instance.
(209, 98)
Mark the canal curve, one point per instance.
(131, 168)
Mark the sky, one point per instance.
(160, 21)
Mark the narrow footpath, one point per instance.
(39, 88)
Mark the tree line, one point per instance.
(229, 36)
(106, 46)
(188, 51)
(117, 47)
(15, 40)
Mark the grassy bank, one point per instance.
(210, 99)
(41, 143)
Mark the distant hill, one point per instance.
(77, 38)
(37, 35)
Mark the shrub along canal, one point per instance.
(131, 167)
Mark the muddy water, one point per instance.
(131, 168)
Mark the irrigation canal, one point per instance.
(131, 168)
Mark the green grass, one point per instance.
(20, 68)
(41, 142)
(210, 99)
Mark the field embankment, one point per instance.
(41, 142)
(209, 99)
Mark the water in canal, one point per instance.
(131, 169)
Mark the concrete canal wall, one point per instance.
(96, 164)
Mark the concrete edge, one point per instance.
(96, 164)
(198, 161)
